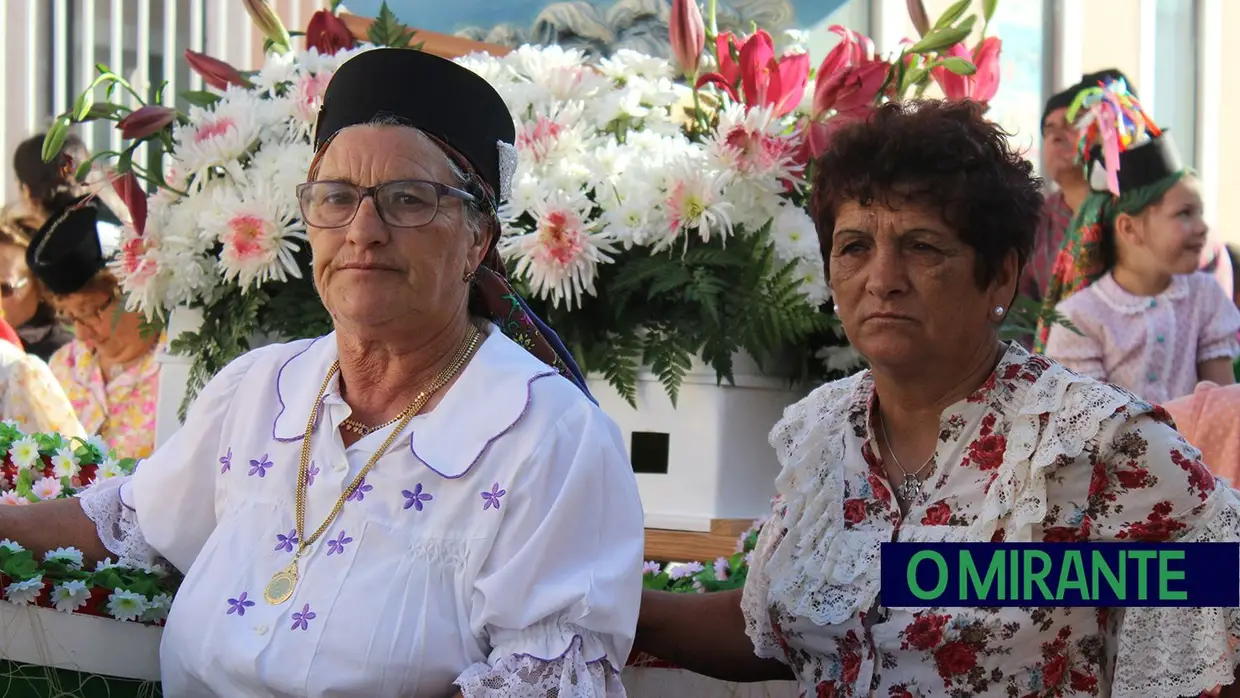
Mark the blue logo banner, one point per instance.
(1061, 574)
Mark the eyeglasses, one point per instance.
(8, 289)
(410, 203)
(88, 317)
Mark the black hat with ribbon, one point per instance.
(66, 253)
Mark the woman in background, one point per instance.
(109, 371)
(29, 393)
(22, 299)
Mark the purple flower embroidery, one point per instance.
(301, 620)
(238, 605)
(259, 467)
(336, 545)
(314, 470)
(491, 499)
(416, 498)
(226, 461)
(286, 543)
(360, 493)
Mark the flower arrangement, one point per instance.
(726, 572)
(652, 220)
(40, 467)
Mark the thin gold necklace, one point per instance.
(283, 582)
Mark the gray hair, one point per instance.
(475, 215)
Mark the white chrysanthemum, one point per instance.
(259, 230)
(794, 234)
(106, 564)
(11, 546)
(70, 596)
(552, 135)
(24, 592)
(70, 556)
(560, 257)
(752, 145)
(157, 608)
(627, 64)
(126, 605)
(25, 452)
(694, 203)
(108, 469)
(12, 498)
(47, 488)
(278, 68)
(488, 67)
(65, 463)
(218, 137)
(629, 204)
(100, 447)
(843, 359)
(813, 279)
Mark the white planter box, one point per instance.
(643, 682)
(173, 375)
(717, 459)
(47, 637)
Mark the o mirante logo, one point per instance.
(1060, 574)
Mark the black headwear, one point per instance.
(1063, 100)
(446, 100)
(66, 254)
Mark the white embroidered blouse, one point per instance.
(498, 546)
(1036, 454)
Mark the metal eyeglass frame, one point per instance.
(440, 188)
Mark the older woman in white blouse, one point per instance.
(415, 504)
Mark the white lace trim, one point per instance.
(755, 597)
(1181, 651)
(524, 676)
(823, 573)
(117, 524)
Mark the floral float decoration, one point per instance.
(652, 220)
(41, 467)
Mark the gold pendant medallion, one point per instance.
(280, 588)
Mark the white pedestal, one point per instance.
(719, 464)
(173, 375)
(47, 637)
(643, 682)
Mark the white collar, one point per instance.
(491, 396)
(1126, 303)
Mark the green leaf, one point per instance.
(386, 30)
(958, 65)
(988, 9)
(951, 14)
(335, 5)
(200, 98)
(54, 141)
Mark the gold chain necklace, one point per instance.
(280, 588)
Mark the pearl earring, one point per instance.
(999, 310)
(836, 308)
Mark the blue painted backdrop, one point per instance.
(450, 16)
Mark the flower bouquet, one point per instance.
(652, 220)
(40, 467)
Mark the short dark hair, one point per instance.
(50, 185)
(939, 152)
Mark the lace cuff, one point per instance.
(117, 523)
(525, 676)
(756, 596)
(1181, 651)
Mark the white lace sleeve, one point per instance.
(117, 523)
(756, 597)
(570, 675)
(1181, 651)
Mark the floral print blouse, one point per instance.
(120, 409)
(1038, 453)
(30, 396)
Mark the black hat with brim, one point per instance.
(66, 253)
(433, 94)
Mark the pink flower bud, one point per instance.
(145, 121)
(687, 32)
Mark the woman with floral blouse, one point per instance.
(926, 215)
(109, 371)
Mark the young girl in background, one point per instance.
(1126, 278)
